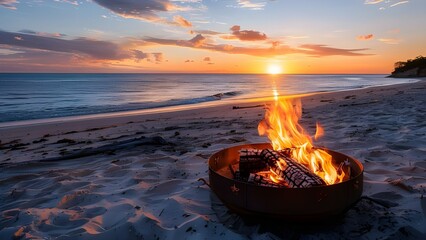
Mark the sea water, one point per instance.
(25, 96)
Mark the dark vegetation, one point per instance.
(411, 68)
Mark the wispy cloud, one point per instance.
(373, 1)
(317, 50)
(365, 37)
(297, 37)
(205, 32)
(44, 34)
(182, 21)
(10, 4)
(73, 2)
(250, 4)
(389, 40)
(398, 3)
(385, 4)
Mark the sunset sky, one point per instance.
(210, 36)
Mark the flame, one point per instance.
(281, 125)
(320, 132)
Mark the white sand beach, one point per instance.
(136, 177)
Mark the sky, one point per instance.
(210, 36)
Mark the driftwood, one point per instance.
(243, 107)
(126, 144)
(105, 149)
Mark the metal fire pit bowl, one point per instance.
(289, 204)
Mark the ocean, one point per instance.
(42, 96)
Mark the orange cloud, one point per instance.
(317, 50)
(247, 35)
(365, 37)
(389, 40)
(182, 21)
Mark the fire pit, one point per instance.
(292, 204)
(289, 178)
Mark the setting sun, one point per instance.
(274, 69)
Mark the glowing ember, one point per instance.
(284, 131)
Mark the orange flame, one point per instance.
(319, 132)
(281, 125)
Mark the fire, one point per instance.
(281, 125)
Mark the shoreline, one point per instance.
(141, 176)
(170, 109)
(58, 114)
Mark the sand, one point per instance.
(136, 177)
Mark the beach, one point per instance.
(137, 176)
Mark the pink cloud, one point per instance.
(10, 4)
(365, 37)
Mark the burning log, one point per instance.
(263, 181)
(251, 161)
(282, 170)
(293, 173)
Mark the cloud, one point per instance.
(385, 4)
(365, 37)
(320, 50)
(205, 32)
(250, 5)
(245, 35)
(44, 34)
(73, 2)
(207, 59)
(146, 10)
(373, 1)
(389, 40)
(182, 21)
(93, 48)
(150, 57)
(317, 50)
(10, 4)
(189, 61)
(197, 40)
(398, 3)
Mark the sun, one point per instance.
(274, 69)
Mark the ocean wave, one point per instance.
(50, 112)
